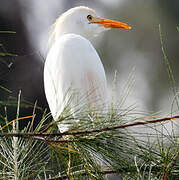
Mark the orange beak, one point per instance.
(107, 23)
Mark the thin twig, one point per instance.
(83, 173)
(103, 172)
(138, 123)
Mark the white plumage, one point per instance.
(73, 65)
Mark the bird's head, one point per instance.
(83, 21)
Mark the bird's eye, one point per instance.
(89, 17)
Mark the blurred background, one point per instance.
(136, 51)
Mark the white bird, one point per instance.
(73, 65)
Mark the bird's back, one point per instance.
(73, 75)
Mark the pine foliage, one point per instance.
(102, 143)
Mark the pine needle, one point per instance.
(66, 148)
(14, 120)
(168, 67)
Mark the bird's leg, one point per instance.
(70, 156)
(69, 161)
(69, 173)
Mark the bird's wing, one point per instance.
(73, 64)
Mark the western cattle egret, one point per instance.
(73, 65)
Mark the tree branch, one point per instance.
(80, 132)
